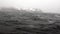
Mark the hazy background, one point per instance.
(44, 5)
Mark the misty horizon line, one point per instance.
(32, 9)
(27, 9)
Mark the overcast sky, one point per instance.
(45, 5)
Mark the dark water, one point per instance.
(28, 23)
